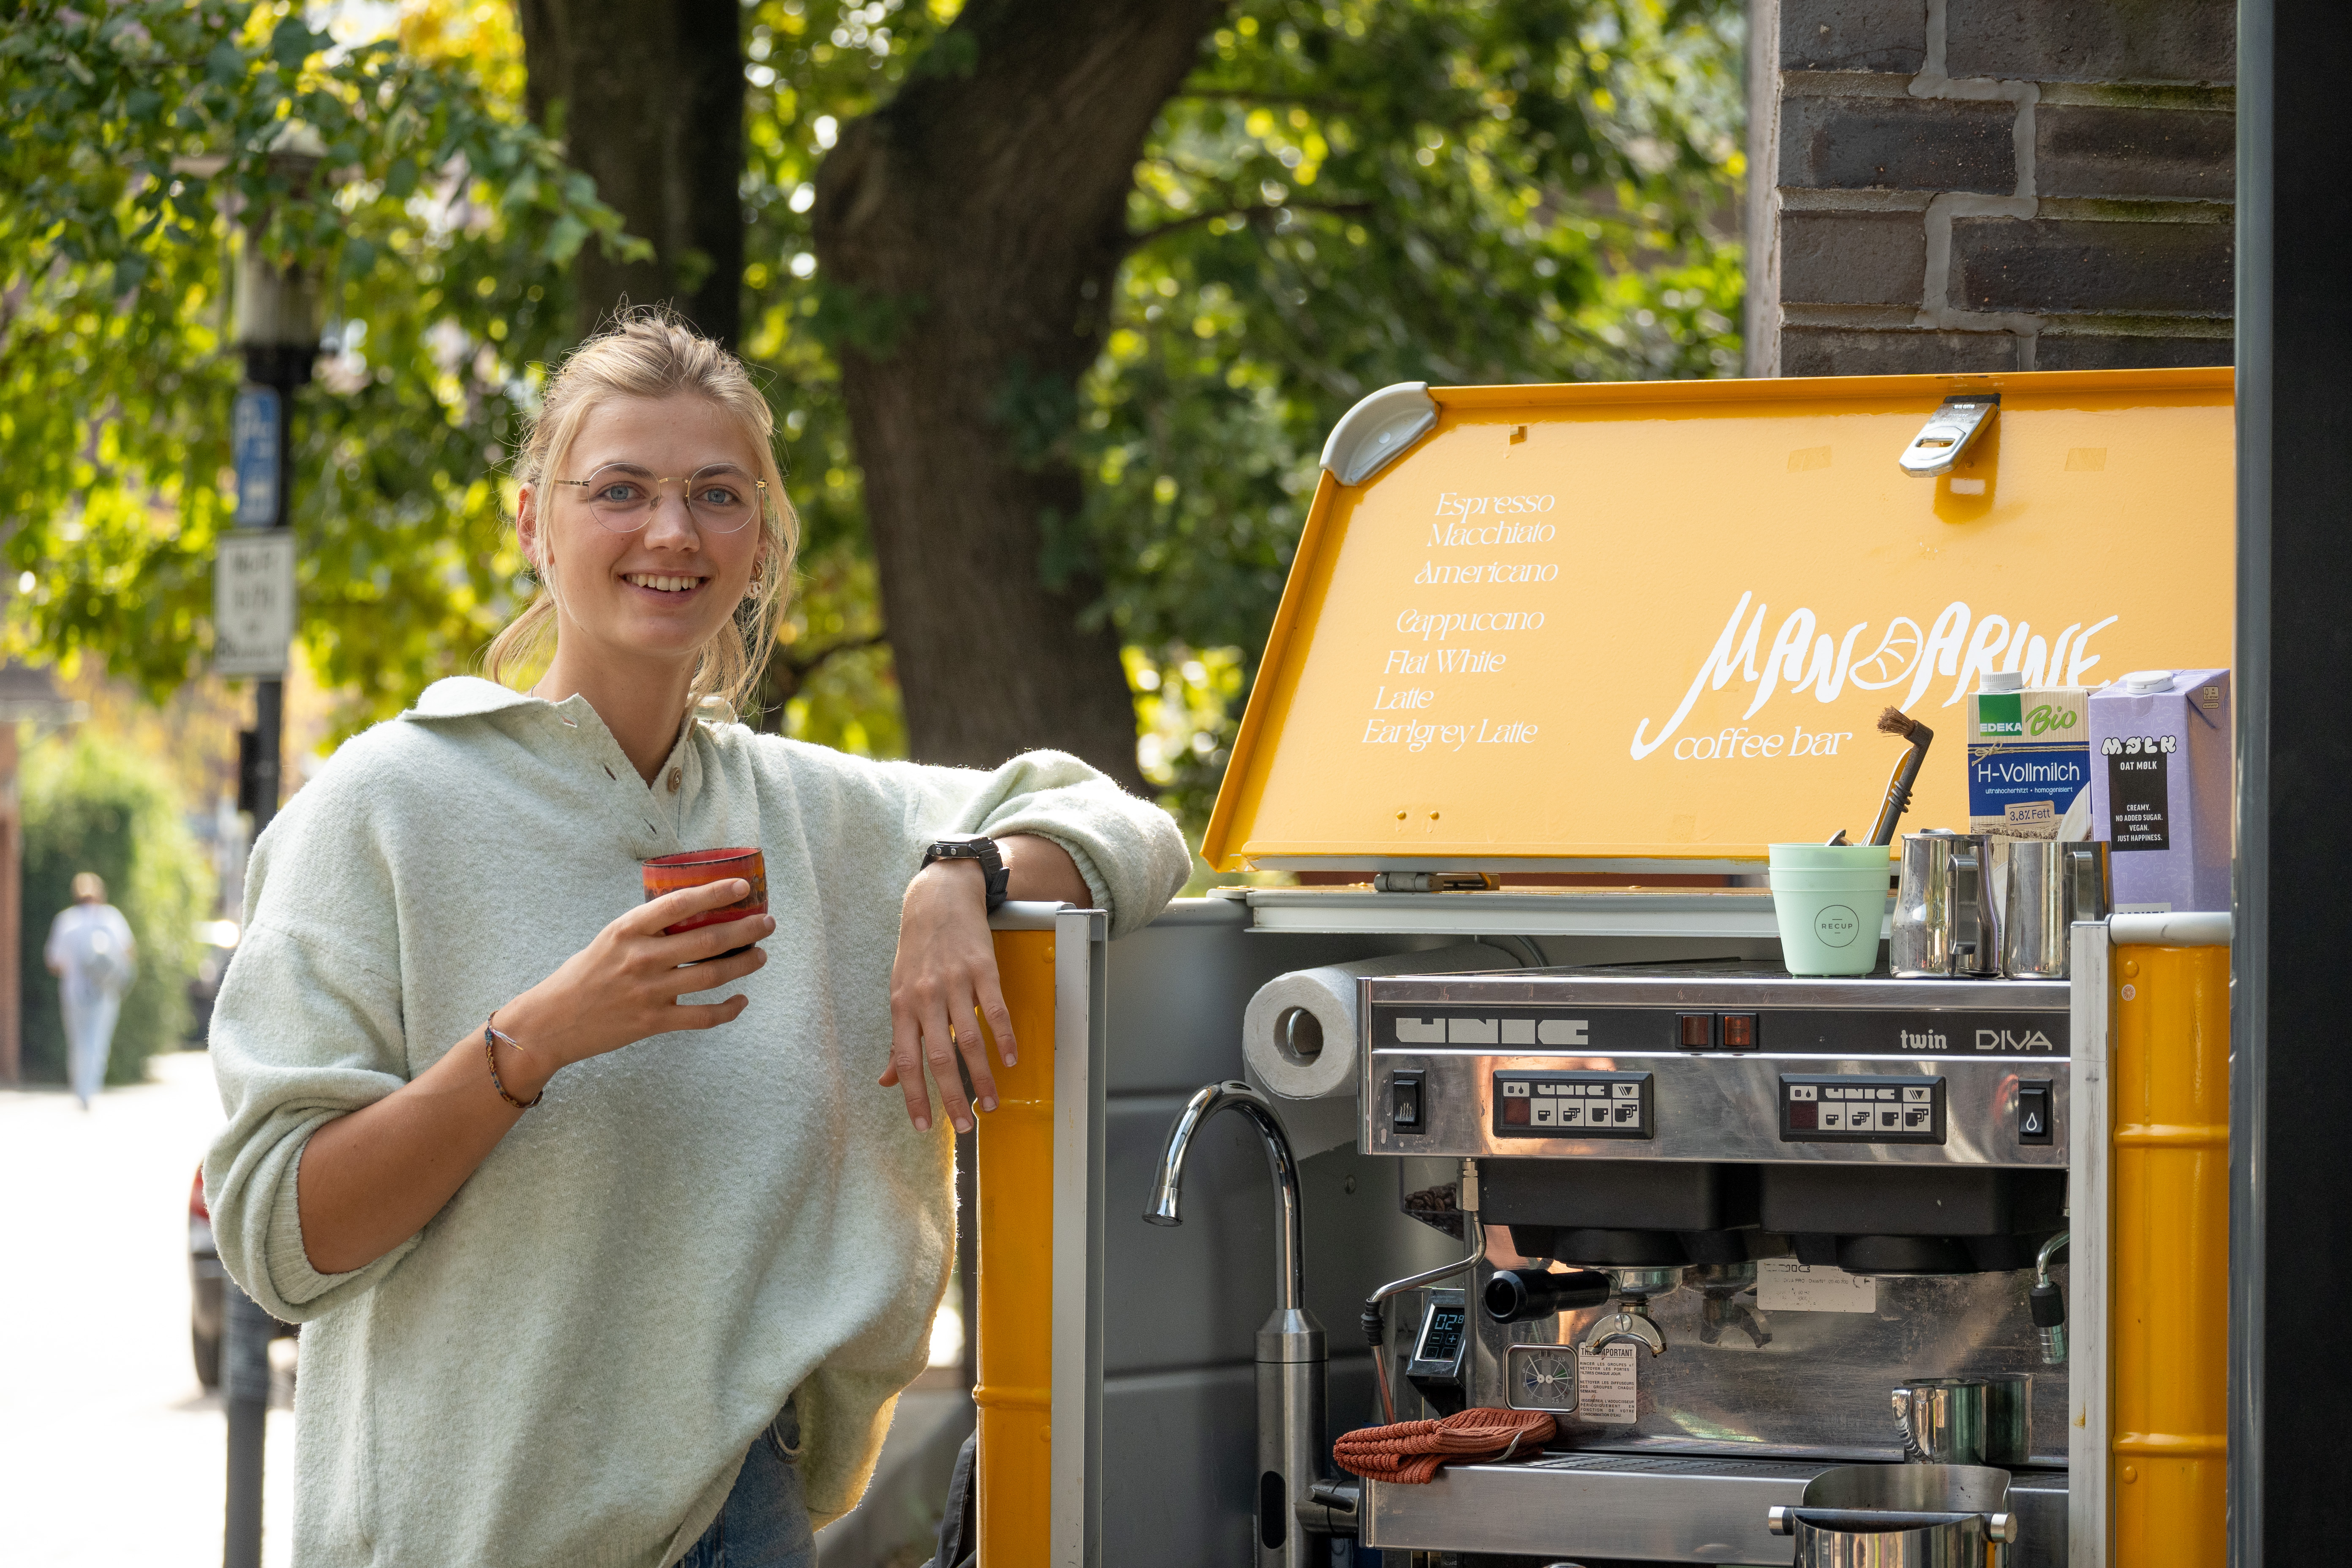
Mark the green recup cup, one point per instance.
(1829, 901)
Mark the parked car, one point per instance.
(208, 1287)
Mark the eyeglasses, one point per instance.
(720, 497)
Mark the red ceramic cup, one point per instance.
(698, 868)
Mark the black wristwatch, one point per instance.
(980, 848)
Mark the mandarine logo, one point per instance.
(1896, 652)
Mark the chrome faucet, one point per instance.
(1291, 1353)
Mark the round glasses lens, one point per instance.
(723, 500)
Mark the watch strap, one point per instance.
(982, 851)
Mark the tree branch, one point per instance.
(1136, 242)
(788, 672)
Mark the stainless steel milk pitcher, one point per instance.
(1946, 917)
(2048, 887)
(1941, 1420)
(1901, 1515)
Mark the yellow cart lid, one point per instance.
(1655, 622)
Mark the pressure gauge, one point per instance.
(1540, 1377)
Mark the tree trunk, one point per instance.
(650, 95)
(970, 232)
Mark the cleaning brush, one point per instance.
(1894, 721)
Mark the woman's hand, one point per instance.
(943, 984)
(624, 986)
(372, 1179)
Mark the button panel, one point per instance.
(1852, 1108)
(1573, 1105)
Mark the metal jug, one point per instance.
(1946, 917)
(1942, 1419)
(1901, 1515)
(2048, 887)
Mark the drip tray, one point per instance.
(1645, 1508)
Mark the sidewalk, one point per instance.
(111, 1451)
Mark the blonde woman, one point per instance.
(608, 1261)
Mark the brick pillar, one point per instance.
(1991, 184)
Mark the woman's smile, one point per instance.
(667, 584)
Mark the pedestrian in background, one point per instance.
(91, 954)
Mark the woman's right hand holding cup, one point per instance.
(624, 986)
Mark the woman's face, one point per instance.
(660, 592)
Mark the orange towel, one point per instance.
(1412, 1451)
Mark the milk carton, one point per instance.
(2028, 755)
(2160, 788)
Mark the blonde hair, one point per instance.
(649, 352)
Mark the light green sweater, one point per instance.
(567, 1364)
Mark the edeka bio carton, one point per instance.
(2028, 755)
(2160, 788)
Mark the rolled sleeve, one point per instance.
(302, 1034)
(1131, 852)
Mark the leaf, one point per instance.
(565, 238)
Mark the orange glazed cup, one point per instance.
(698, 868)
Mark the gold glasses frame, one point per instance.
(658, 486)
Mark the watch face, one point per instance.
(1540, 1377)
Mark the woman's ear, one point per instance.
(528, 533)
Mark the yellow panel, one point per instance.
(1593, 692)
(2169, 1316)
(1014, 1150)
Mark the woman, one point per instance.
(92, 955)
(605, 1260)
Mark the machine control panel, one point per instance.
(1574, 1105)
(1852, 1108)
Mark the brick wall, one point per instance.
(1991, 184)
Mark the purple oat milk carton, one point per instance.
(2160, 788)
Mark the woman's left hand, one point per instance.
(942, 984)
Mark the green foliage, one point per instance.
(437, 227)
(93, 806)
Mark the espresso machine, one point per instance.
(1764, 1228)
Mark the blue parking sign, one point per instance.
(255, 437)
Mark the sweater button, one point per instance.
(676, 776)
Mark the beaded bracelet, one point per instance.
(491, 1035)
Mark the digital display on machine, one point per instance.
(1441, 1337)
(1573, 1105)
(1853, 1108)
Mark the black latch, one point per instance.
(1405, 1110)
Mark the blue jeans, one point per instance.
(764, 1523)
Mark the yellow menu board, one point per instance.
(1658, 621)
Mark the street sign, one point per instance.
(253, 602)
(255, 436)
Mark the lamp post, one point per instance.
(275, 315)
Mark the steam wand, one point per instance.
(1375, 1318)
(1894, 721)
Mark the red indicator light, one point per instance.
(1740, 1031)
(1697, 1030)
(1515, 1112)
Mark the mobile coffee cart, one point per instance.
(1536, 640)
